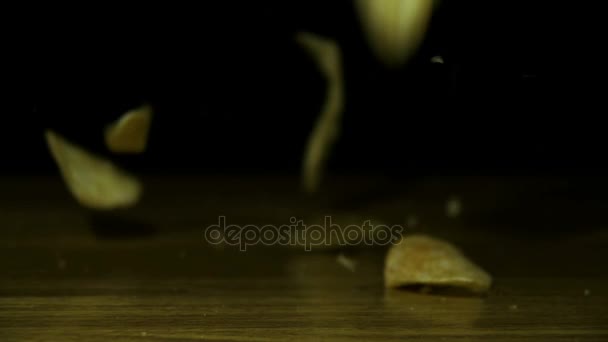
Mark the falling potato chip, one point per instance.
(129, 134)
(94, 181)
(327, 56)
(423, 260)
(394, 28)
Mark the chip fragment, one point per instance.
(423, 260)
(129, 134)
(95, 182)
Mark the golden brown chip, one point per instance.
(327, 56)
(94, 181)
(423, 260)
(394, 28)
(129, 134)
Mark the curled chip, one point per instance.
(326, 54)
(394, 28)
(129, 134)
(95, 182)
(422, 260)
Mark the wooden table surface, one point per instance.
(146, 274)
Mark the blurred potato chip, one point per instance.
(129, 134)
(95, 182)
(394, 28)
(327, 55)
(423, 260)
(325, 52)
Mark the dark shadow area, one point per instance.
(441, 291)
(113, 226)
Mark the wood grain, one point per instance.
(64, 279)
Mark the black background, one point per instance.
(522, 89)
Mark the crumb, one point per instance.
(348, 263)
(453, 207)
(443, 299)
(62, 264)
(587, 292)
(513, 307)
(144, 334)
(182, 254)
(437, 60)
(412, 308)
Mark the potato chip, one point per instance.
(394, 28)
(423, 260)
(95, 182)
(129, 134)
(327, 56)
